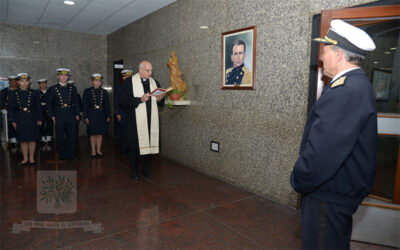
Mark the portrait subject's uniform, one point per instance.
(238, 76)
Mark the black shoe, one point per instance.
(32, 163)
(135, 177)
(93, 156)
(99, 155)
(23, 164)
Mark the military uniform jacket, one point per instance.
(63, 102)
(337, 158)
(24, 107)
(240, 75)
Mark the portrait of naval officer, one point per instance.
(239, 74)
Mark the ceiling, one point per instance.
(87, 16)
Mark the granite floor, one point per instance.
(178, 208)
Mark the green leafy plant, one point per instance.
(177, 91)
(59, 190)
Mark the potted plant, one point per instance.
(176, 95)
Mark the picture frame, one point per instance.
(238, 59)
(381, 84)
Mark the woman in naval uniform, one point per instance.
(96, 112)
(26, 117)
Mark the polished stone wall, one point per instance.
(259, 130)
(40, 51)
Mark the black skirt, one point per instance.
(97, 126)
(28, 132)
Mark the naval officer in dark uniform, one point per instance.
(239, 74)
(96, 112)
(26, 117)
(64, 111)
(337, 161)
(142, 123)
(5, 96)
(119, 112)
(46, 130)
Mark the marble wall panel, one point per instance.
(82, 53)
(249, 13)
(315, 6)
(20, 41)
(193, 14)
(156, 29)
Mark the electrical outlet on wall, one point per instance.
(214, 146)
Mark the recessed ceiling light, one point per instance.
(394, 48)
(375, 62)
(69, 2)
(36, 42)
(387, 52)
(204, 27)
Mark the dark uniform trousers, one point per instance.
(330, 222)
(69, 128)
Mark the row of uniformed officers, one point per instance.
(33, 113)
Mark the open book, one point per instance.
(159, 91)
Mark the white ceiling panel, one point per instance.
(58, 12)
(92, 15)
(87, 16)
(23, 11)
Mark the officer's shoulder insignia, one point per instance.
(338, 82)
(245, 69)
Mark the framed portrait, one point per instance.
(238, 58)
(381, 84)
